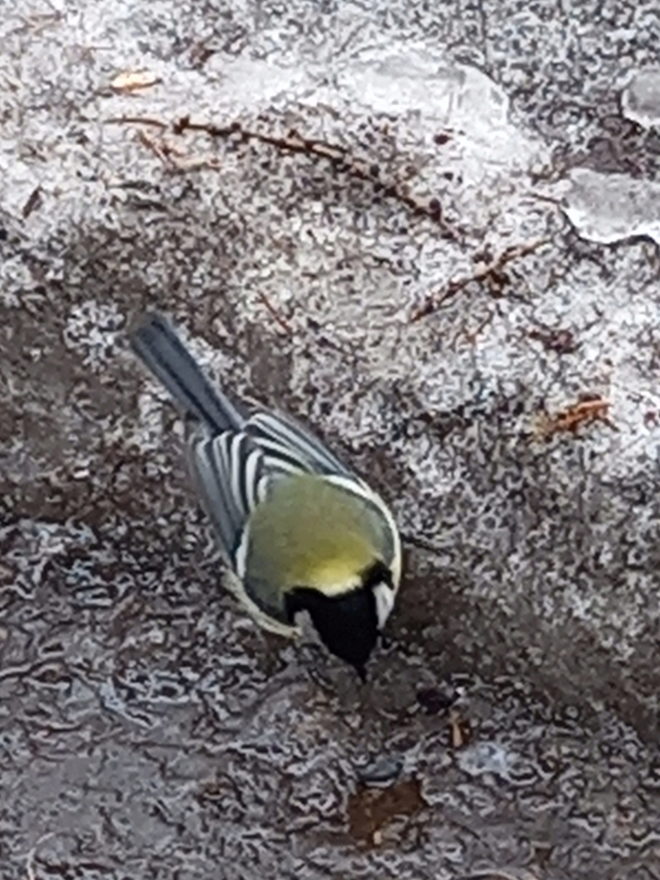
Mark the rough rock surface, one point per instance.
(308, 189)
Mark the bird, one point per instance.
(298, 530)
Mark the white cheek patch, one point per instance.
(384, 596)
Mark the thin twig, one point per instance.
(490, 270)
(294, 142)
(138, 120)
(158, 149)
(279, 320)
(175, 159)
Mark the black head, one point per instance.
(347, 623)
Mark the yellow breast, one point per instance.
(310, 533)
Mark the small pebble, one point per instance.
(434, 700)
(381, 772)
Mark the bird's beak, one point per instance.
(362, 672)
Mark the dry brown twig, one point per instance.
(157, 148)
(489, 272)
(174, 158)
(279, 320)
(571, 418)
(139, 120)
(339, 157)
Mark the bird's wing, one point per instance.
(288, 445)
(228, 471)
(233, 471)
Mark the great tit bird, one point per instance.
(298, 530)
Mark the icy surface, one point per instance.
(640, 100)
(611, 207)
(384, 155)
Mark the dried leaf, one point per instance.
(133, 80)
(369, 810)
(568, 420)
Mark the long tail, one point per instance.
(156, 342)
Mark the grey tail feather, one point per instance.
(156, 342)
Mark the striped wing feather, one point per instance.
(232, 470)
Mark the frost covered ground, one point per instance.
(308, 189)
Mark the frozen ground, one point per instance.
(308, 191)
